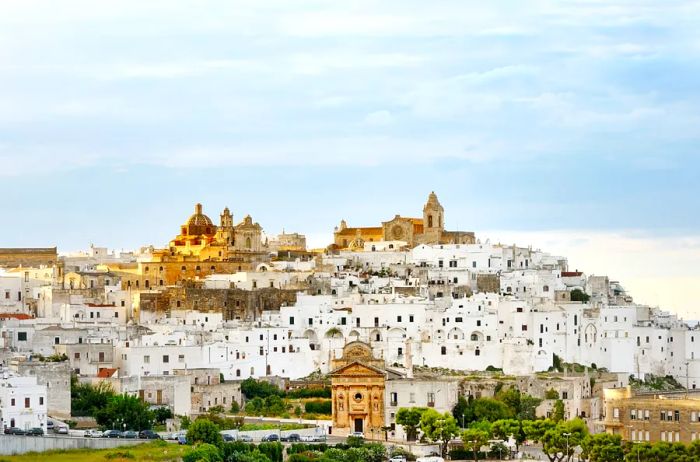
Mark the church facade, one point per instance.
(201, 248)
(430, 229)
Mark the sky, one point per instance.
(573, 126)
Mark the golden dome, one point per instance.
(198, 218)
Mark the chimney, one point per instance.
(409, 359)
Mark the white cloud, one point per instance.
(379, 118)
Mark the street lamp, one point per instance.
(567, 435)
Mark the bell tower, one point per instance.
(433, 220)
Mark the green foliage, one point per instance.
(252, 388)
(125, 409)
(235, 408)
(490, 410)
(577, 295)
(273, 451)
(409, 419)
(558, 414)
(223, 422)
(298, 448)
(556, 443)
(120, 455)
(203, 453)
(319, 407)
(507, 428)
(474, 439)
(551, 394)
(557, 364)
(204, 431)
(87, 399)
(272, 405)
(302, 393)
(185, 422)
(439, 428)
(602, 447)
(462, 410)
(161, 414)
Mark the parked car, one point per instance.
(36, 431)
(130, 434)
(270, 438)
(60, 429)
(397, 459)
(49, 424)
(245, 438)
(357, 435)
(172, 436)
(319, 439)
(149, 435)
(228, 438)
(15, 431)
(182, 439)
(292, 438)
(112, 434)
(92, 434)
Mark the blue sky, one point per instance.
(580, 117)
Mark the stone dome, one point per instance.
(198, 218)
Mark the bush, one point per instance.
(204, 431)
(318, 407)
(303, 457)
(298, 448)
(273, 451)
(120, 455)
(203, 453)
(324, 392)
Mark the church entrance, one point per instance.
(359, 424)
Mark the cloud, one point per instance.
(379, 118)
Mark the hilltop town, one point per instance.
(400, 314)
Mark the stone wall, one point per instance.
(56, 377)
(489, 283)
(28, 257)
(10, 444)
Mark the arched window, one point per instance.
(474, 337)
(146, 284)
(248, 243)
(545, 289)
(477, 352)
(430, 221)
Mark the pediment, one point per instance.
(357, 369)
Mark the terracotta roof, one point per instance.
(20, 316)
(363, 231)
(570, 274)
(106, 372)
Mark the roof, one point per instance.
(20, 316)
(106, 372)
(363, 231)
(571, 274)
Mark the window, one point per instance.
(41, 400)
(478, 322)
(21, 336)
(400, 351)
(616, 413)
(76, 355)
(147, 359)
(398, 318)
(56, 340)
(431, 399)
(12, 402)
(411, 397)
(443, 350)
(291, 320)
(166, 359)
(477, 352)
(633, 414)
(27, 403)
(524, 327)
(410, 318)
(181, 358)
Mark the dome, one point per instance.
(198, 218)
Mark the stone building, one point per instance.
(209, 391)
(55, 376)
(358, 382)
(653, 417)
(31, 257)
(430, 229)
(240, 304)
(200, 248)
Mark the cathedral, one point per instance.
(200, 248)
(430, 229)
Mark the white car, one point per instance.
(357, 435)
(430, 459)
(397, 459)
(92, 434)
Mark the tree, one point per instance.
(558, 443)
(204, 431)
(161, 414)
(125, 409)
(535, 429)
(551, 394)
(87, 399)
(462, 411)
(203, 453)
(507, 428)
(528, 407)
(602, 447)
(252, 388)
(558, 414)
(474, 439)
(409, 419)
(577, 295)
(439, 428)
(490, 409)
